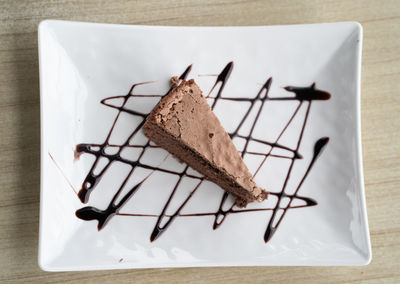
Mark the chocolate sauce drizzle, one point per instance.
(301, 95)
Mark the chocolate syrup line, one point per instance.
(221, 212)
(296, 154)
(131, 96)
(231, 211)
(263, 154)
(265, 88)
(184, 74)
(270, 228)
(301, 94)
(158, 229)
(62, 172)
(307, 200)
(308, 93)
(272, 144)
(318, 148)
(116, 146)
(128, 195)
(222, 78)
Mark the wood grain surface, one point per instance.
(19, 128)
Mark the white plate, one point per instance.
(81, 64)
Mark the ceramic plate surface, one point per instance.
(288, 95)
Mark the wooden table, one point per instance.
(19, 126)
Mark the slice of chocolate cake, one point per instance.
(184, 124)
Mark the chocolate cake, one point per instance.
(184, 124)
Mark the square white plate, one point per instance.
(82, 64)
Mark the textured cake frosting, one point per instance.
(184, 124)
